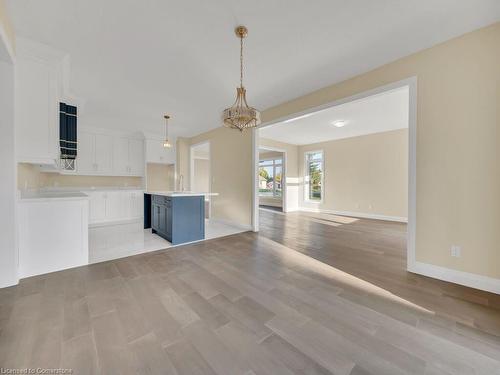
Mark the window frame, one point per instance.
(282, 164)
(307, 177)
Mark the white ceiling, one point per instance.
(374, 114)
(132, 60)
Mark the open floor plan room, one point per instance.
(249, 188)
(248, 303)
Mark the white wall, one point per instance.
(8, 244)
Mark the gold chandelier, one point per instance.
(240, 115)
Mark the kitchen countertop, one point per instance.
(90, 188)
(181, 193)
(35, 195)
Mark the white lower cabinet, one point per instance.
(53, 235)
(97, 202)
(115, 205)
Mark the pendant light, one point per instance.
(166, 142)
(240, 115)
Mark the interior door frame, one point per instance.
(192, 170)
(411, 82)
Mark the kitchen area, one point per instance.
(88, 192)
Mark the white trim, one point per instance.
(361, 215)
(191, 170)
(233, 224)
(307, 177)
(412, 172)
(255, 190)
(471, 280)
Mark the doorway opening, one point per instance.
(342, 158)
(272, 176)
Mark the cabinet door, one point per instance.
(85, 159)
(115, 207)
(155, 217)
(120, 157)
(136, 204)
(136, 157)
(163, 220)
(36, 111)
(97, 207)
(168, 220)
(103, 154)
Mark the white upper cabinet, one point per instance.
(36, 110)
(120, 156)
(103, 154)
(94, 154)
(156, 153)
(109, 155)
(128, 157)
(136, 157)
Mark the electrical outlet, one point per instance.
(456, 251)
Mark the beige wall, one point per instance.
(366, 174)
(6, 25)
(160, 177)
(201, 175)
(458, 138)
(29, 177)
(232, 172)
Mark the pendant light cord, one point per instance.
(241, 61)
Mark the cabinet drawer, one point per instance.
(160, 199)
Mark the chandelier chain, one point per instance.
(241, 61)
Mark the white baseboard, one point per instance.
(361, 215)
(471, 280)
(245, 227)
(117, 222)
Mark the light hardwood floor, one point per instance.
(255, 304)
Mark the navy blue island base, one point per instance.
(178, 219)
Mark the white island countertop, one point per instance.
(181, 193)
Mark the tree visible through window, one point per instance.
(270, 173)
(314, 175)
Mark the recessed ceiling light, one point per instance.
(298, 117)
(339, 123)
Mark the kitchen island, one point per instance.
(178, 217)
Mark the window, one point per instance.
(270, 173)
(314, 176)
